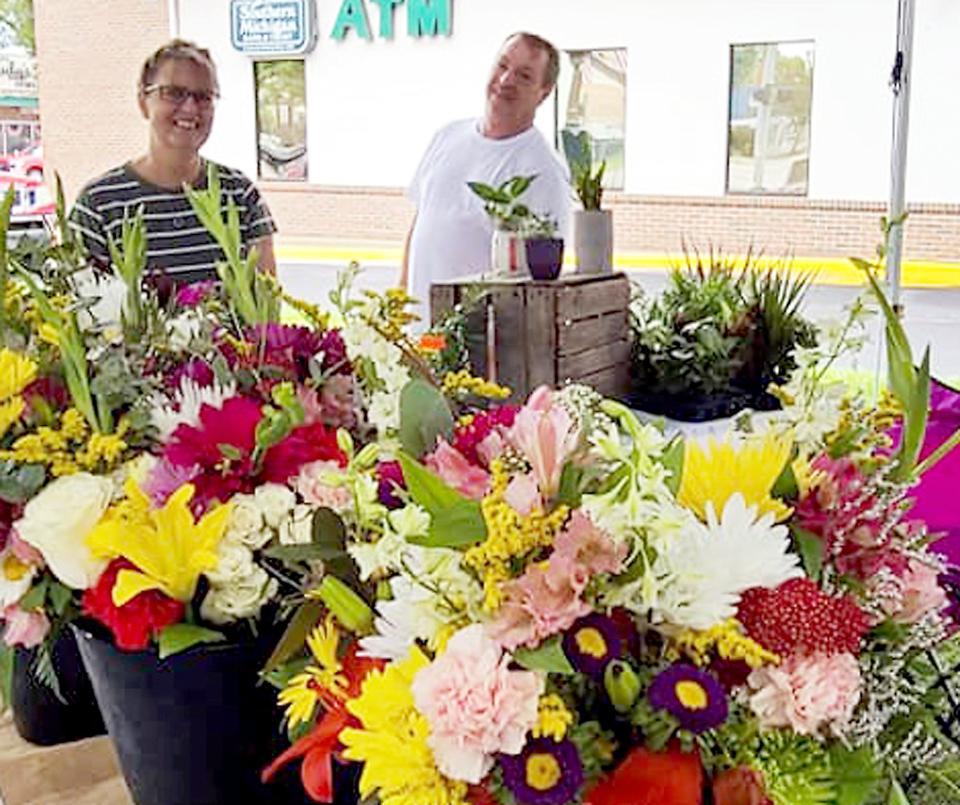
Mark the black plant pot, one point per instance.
(691, 408)
(38, 715)
(195, 728)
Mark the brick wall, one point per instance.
(652, 223)
(89, 55)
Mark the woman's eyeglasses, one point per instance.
(176, 95)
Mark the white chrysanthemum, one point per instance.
(184, 407)
(183, 328)
(107, 295)
(701, 574)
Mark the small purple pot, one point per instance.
(545, 258)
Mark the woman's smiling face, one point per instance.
(179, 104)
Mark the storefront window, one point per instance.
(768, 146)
(592, 98)
(281, 119)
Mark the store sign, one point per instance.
(273, 27)
(424, 18)
(18, 75)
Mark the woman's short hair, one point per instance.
(177, 49)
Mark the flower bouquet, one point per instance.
(572, 609)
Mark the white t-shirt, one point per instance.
(451, 237)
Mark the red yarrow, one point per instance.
(799, 617)
(135, 623)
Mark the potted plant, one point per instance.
(514, 223)
(544, 250)
(592, 226)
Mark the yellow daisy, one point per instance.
(714, 473)
(320, 680)
(392, 743)
(16, 373)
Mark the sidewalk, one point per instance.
(836, 270)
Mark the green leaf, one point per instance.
(569, 492)
(426, 488)
(279, 677)
(488, 193)
(856, 774)
(672, 459)
(328, 529)
(424, 415)
(6, 675)
(897, 794)
(457, 526)
(548, 657)
(35, 596)
(810, 548)
(60, 597)
(294, 637)
(181, 636)
(303, 553)
(785, 486)
(19, 484)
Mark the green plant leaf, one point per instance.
(897, 794)
(59, 596)
(856, 774)
(457, 526)
(810, 548)
(785, 486)
(569, 492)
(294, 637)
(181, 636)
(35, 596)
(548, 657)
(6, 676)
(424, 416)
(328, 529)
(672, 460)
(303, 553)
(427, 489)
(19, 484)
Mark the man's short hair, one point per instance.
(177, 49)
(553, 57)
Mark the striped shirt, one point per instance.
(177, 243)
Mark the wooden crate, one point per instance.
(526, 333)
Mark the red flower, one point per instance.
(318, 746)
(799, 616)
(303, 446)
(466, 438)
(645, 777)
(740, 786)
(136, 622)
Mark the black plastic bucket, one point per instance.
(195, 728)
(38, 715)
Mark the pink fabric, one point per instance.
(935, 494)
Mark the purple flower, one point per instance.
(335, 353)
(193, 294)
(950, 581)
(195, 369)
(694, 697)
(591, 643)
(546, 772)
(390, 479)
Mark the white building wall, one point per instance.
(373, 105)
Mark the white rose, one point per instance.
(246, 516)
(275, 502)
(243, 599)
(297, 529)
(57, 521)
(234, 562)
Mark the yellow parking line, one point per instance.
(826, 270)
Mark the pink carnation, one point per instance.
(313, 490)
(450, 464)
(588, 546)
(545, 600)
(921, 594)
(475, 705)
(26, 629)
(806, 693)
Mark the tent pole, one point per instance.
(900, 80)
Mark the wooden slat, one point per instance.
(588, 333)
(541, 327)
(604, 294)
(443, 299)
(614, 381)
(510, 336)
(590, 361)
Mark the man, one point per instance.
(451, 233)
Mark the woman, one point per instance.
(177, 93)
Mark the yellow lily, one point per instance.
(169, 548)
(16, 373)
(713, 474)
